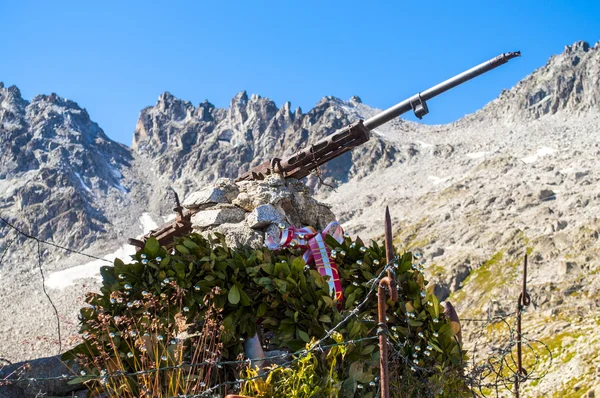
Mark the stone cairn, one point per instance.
(247, 212)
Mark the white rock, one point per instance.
(213, 217)
(264, 215)
(205, 196)
(237, 235)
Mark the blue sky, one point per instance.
(115, 57)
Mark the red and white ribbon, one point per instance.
(317, 251)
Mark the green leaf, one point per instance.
(435, 346)
(331, 242)
(182, 249)
(79, 380)
(190, 244)
(354, 329)
(328, 300)
(152, 246)
(325, 319)
(179, 267)
(261, 310)
(355, 370)
(107, 274)
(245, 300)
(265, 281)
(435, 306)
(368, 349)
(303, 335)
(234, 295)
(298, 265)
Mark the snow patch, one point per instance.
(147, 223)
(120, 188)
(116, 173)
(64, 278)
(543, 151)
(82, 183)
(425, 144)
(8, 187)
(437, 180)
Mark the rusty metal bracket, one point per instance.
(419, 106)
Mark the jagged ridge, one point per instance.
(205, 142)
(569, 81)
(56, 166)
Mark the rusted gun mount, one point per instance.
(166, 233)
(301, 163)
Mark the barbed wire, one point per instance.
(494, 373)
(499, 370)
(44, 242)
(40, 242)
(115, 374)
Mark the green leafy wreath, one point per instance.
(142, 306)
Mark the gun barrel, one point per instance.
(301, 163)
(413, 102)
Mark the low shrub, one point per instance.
(201, 300)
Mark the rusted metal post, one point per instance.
(523, 301)
(389, 244)
(178, 209)
(387, 282)
(166, 233)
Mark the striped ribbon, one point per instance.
(317, 251)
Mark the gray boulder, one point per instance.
(31, 375)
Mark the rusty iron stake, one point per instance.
(387, 282)
(166, 233)
(523, 301)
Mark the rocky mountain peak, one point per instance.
(10, 92)
(216, 142)
(12, 108)
(204, 111)
(241, 98)
(355, 99)
(578, 46)
(569, 81)
(57, 166)
(174, 108)
(63, 122)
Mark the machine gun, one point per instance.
(301, 163)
